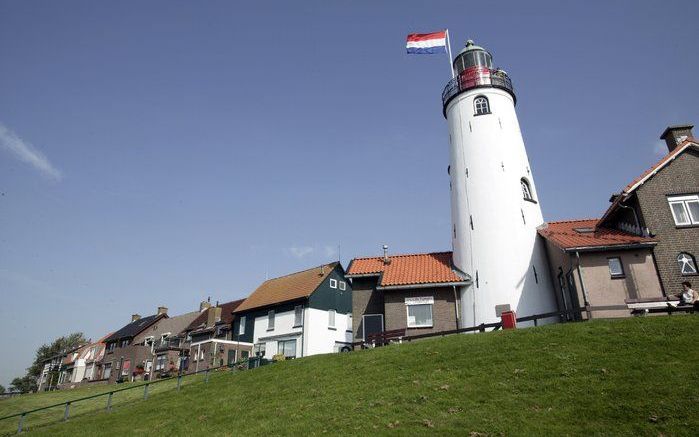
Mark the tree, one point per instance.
(24, 384)
(2, 389)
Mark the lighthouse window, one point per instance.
(481, 105)
(526, 190)
(687, 264)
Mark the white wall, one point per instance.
(488, 158)
(317, 338)
(283, 330)
(322, 340)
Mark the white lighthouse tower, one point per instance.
(494, 204)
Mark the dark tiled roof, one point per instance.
(287, 288)
(577, 234)
(134, 328)
(411, 269)
(226, 315)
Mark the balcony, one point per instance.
(479, 78)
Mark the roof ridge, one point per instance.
(400, 255)
(303, 271)
(574, 220)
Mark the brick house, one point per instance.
(663, 202)
(297, 315)
(146, 347)
(415, 292)
(599, 267)
(209, 338)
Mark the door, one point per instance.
(372, 324)
(231, 356)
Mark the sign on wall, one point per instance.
(424, 300)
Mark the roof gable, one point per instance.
(295, 286)
(640, 180)
(585, 234)
(409, 269)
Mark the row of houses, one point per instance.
(635, 256)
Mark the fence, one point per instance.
(572, 315)
(22, 416)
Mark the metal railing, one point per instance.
(460, 84)
(110, 395)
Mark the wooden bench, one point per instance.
(669, 304)
(385, 337)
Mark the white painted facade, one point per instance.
(314, 336)
(494, 233)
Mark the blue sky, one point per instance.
(162, 152)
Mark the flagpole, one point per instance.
(451, 67)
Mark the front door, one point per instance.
(372, 324)
(231, 357)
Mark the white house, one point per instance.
(297, 315)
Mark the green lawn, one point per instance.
(635, 376)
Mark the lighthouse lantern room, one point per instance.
(494, 204)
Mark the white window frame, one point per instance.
(684, 201)
(288, 340)
(332, 319)
(692, 263)
(481, 105)
(241, 325)
(418, 301)
(298, 316)
(342, 285)
(333, 283)
(270, 320)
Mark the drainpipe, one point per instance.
(303, 331)
(196, 368)
(456, 305)
(582, 284)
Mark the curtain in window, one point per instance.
(420, 315)
(288, 348)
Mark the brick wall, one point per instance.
(443, 310)
(365, 300)
(679, 177)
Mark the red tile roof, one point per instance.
(411, 269)
(564, 235)
(226, 315)
(287, 288)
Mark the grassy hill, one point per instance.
(632, 376)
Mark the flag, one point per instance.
(427, 43)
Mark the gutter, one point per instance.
(611, 247)
(428, 285)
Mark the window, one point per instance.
(333, 283)
(241, 325)
(343, 285)
(111, 347)
(298, 315)
(287, 347)
(270, 320)
(688, 265)
(161, 362)
(260, 349)
(124, 343)
(526, 189)
(685, 209)
(107, 372)
(481, 105)
(615, 267)
(331, 319)
(419, 311)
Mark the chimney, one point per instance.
(162, 310)
(213, 316)
(204, 305)
(675, 135)
(386, 259)
(135, 317)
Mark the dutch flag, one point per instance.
(427, 43)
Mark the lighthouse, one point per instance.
(494, 203)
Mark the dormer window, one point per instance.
(526, 190)
(481, 105)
